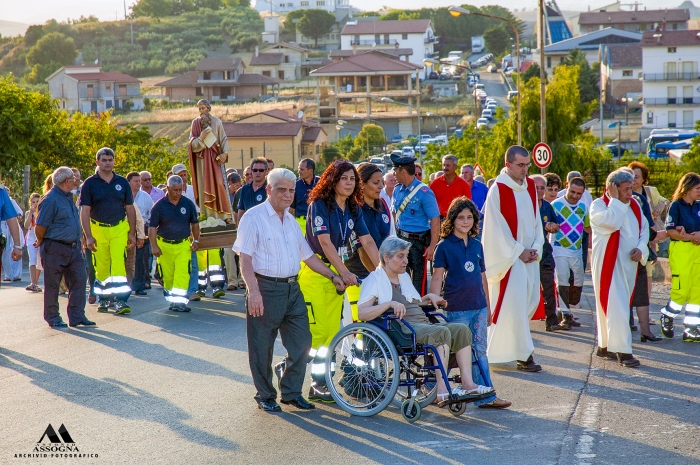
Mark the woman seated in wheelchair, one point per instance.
(390, 287)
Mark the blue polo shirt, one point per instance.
(250, 198)
(172, 221)
(301, 196)
(107, 200)
(338, 223)
(681, 213)
(548, 215)
(7, 211)
(379, 225)
(419, 211)
(463, 265)
(479, 192)
(59, 215)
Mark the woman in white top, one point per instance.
(34, 259)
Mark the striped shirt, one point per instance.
(277, 247)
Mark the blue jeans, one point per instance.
(194, 271)
(476, 320)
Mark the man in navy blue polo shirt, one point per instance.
(9, 215)
(109, 222)
(254, 193)
(305, 184)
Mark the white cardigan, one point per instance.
(377, 286)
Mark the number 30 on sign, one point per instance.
(542, 155)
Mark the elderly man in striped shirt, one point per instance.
(271, 248)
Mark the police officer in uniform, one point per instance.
(417, 217)
(173, 219)
(305, 184)
(109, 222)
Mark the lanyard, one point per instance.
(343, 230)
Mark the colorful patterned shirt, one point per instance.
(572, 219)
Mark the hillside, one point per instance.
(169, 45)
(11, 29)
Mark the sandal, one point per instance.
(232, 287)
(31, 287)
(477, 391)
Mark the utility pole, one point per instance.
(132, 24)
(543, 91)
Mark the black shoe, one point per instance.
(140, 293)
(558, 327)
(218, 293)
(603, 353)
(633, 328)
(529, 365)
(180, 308)
(270, 406)
(121, 308)
(569, 319)
(300, 403)
(103, 306)
(667, 326)
(60, 324)
(83, 323)
(691, 335)
(651, 338)
(279, 371)
(147, 285)
(320, 393)
(627, 360)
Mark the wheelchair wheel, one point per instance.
(426, 394)
(457, 408)
(411, 412)
(367, 378)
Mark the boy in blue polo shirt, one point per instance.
(459, 264)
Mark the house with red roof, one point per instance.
(88, 89)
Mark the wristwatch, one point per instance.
(19, 247)
(196, 241)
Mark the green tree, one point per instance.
(316, 23)
(290, 22)
(153, 8)
(588, 76)
(531, 72)
(369, 138)
(53, 47)
(497, 40)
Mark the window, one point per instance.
(108, 104)
(122, 90)
(198, 91)
(377, 39)
(687, 94)
(90, 91)
(675, 26)
(688, 120)
(671, 95)
(626, 73)
(206, 76)
(672, 50)
(266, 73)
(404, 36)
(281, 5)
(672, 119)
(320, 2)
(286, 58)
(561, 60)
(280, 75)
(549, 62)
(304, 3)
(650, 117)
(356, 40)
(108, 87)
(386, 39)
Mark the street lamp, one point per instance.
(458, 10)
(626, 101)
(444, 120)
(391, 100)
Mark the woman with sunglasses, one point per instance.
(335, 230)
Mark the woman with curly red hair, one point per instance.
(335, 230)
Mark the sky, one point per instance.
(39, 11)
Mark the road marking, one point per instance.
(586, 440)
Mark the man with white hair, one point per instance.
(388, 189)
(173, 220)
(58, 234)
(620, 236)
(271, 247)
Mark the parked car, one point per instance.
(487, 114)
(445, 76)
(408, 151)
(492, 106)
(509, 71)
(433, 75)
(431, 141)
(441, 139)
(511, 94)
(482, 120)
(478, 86)
(422, 148)
(482, 125)
(397, 138)
(491, 100)
(396, 152)
(424, 137)
(458, 132)
(492, 69)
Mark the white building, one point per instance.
(621, 71)
(285, 6)
(671, 82)
(416, 34)
(89, 90)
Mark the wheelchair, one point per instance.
(382, 365)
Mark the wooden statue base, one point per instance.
(219, 237)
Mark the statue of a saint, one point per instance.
(208, 151)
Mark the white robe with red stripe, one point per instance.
(509, 336)
(613, 271)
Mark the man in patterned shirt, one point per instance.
(572, 216)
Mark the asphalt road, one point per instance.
(163, 387)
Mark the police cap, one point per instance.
(400, 160)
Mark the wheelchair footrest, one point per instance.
(454, 399)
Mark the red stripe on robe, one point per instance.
(509, 210)
(610, 257)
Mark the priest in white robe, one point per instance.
(620, 237)
(513, 241)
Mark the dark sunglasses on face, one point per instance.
(256, 170)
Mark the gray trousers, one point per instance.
(61, 260)
(284, 312)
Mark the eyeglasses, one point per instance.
(145, 179)
(257, 170)
(521, 165)
(419, 174)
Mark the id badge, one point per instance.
(343, 253)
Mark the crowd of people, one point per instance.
(315, 252)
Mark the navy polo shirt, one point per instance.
(301, 196)
(463, 265)
(250, 198)
(338, 223)
(681, 213)
(548, 215)
(107, 200)
(7, 211)
(479, 193)
(379, 225)
(420, 210)
(59, 215)
(172, 222)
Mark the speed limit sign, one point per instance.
(542, 155)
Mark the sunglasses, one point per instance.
(256, 170)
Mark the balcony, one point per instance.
(663, 102)
(680, 76)
(374, 43)
(431, 40)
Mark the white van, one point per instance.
(487, 114)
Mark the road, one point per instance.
(163, 387)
